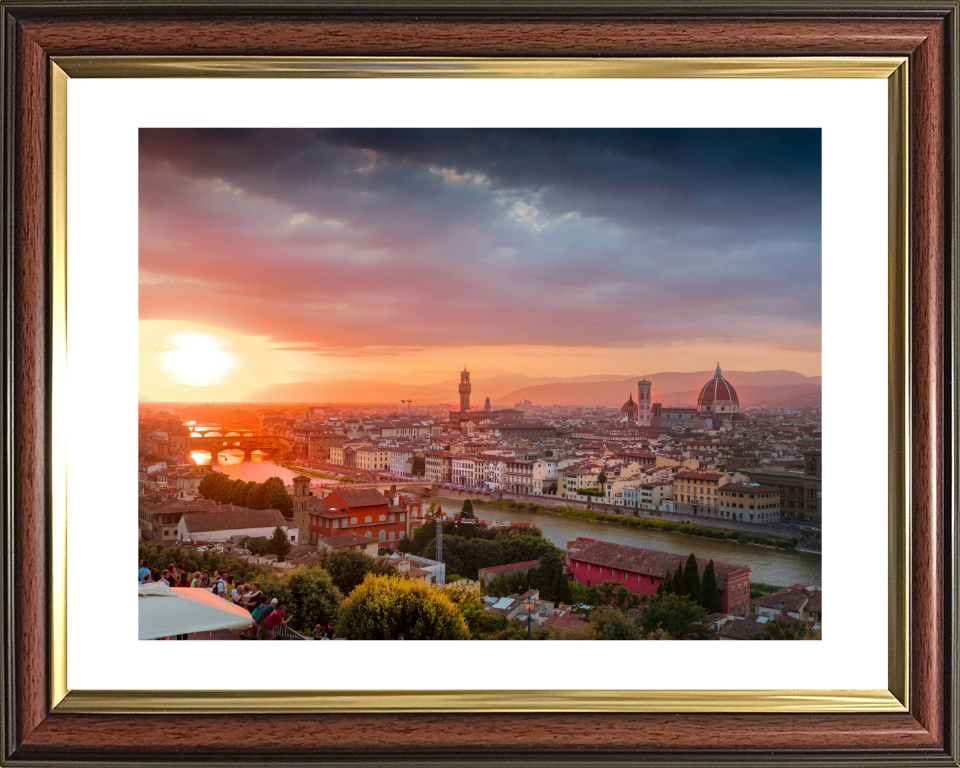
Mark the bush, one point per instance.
(388, 607)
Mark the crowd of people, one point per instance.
(267, 615)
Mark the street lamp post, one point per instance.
(529, 604)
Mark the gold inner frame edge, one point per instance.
(893, 69)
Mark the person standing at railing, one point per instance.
(275, 620)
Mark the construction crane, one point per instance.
(409, 403)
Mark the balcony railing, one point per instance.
(283, 632)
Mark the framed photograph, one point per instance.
(459, 325)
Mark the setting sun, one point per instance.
(198, 359)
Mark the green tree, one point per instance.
(679, 582)
(601, 479)
(550, 579)
(279, 543)
(666, 586)
(258, 546)
(710, 591)
(276, 496)
(691, 580)
(521, 549)
(678, 616)
(471, 606)
(609, 593)
(309, 594)
(388, 607)
(238, 493)
(467, 511)
(199, 561)
(507, 584)
(349, 567)
(419, 465)
(609, 623)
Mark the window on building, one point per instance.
(383, 535)
(353, 521)
(336, 523)
(368, 535)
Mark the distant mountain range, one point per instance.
(753, 388)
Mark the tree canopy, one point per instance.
(270, 494)
(309, 594)
(280, 543)
(610, 623)
(678, 616)
(349, 567)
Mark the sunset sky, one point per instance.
(276, 256)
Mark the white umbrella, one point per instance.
(166, 611)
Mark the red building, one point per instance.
(643, 570)
(365, 512)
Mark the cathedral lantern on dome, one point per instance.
(718, 402)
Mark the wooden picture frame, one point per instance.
(40, 726)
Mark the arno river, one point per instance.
(770, 566)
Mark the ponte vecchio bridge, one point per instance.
(219, 439)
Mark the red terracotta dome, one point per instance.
(717, 392)
(629, 408)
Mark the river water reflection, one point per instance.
(769, 566)
(258, 468)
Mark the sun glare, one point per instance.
(198, 359)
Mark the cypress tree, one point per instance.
(666, 586)
(691, 579)
(710, 590)
(679, 583)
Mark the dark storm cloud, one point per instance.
(569, 237)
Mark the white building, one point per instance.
(221, 526)
(492, 473)
(401, 461)
(544, 475)
(463, 470)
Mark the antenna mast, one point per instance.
(439, 534)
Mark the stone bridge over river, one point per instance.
(247, 443)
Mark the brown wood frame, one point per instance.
(925, 32)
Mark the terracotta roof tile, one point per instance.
(236, 518)
(649, 562)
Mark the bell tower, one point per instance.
(465, 390)
(644, 417)
(301, 516)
